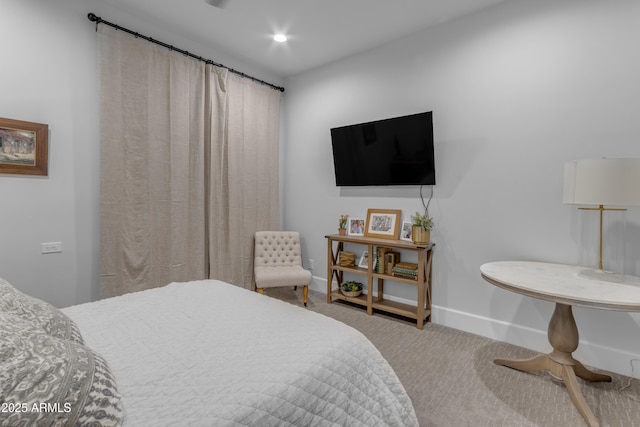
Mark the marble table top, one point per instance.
(567, 284)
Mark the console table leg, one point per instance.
(587, 375)
(563, 337)
(573, 388)
(563, 334)
(535, 364)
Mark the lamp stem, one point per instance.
(601, 208)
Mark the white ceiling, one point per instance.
(319, 31)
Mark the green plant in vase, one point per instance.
(342, 224)
(421, 228)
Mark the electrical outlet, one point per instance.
(311, 264)
(51, 247)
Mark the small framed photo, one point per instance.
(383, 223)
(364, 261)
(23, 147)
(355, 227)
(405, 231)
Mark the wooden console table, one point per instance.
(421, 312)
(566, 286)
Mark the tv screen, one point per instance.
(396, 151)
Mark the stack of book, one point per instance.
(406, 270)
(380, 252)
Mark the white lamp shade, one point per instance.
(611, 182)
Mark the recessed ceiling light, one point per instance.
(280, 38)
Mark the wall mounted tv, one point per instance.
(396, 151)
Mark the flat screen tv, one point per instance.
(395, 151)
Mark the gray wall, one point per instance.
(49, 74)
(516, 91)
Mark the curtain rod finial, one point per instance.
(93, 18)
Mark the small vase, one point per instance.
(419, 235)
(342, 231)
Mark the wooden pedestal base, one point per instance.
(563, 336)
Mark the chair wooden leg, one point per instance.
(305, 294)
(259, 290)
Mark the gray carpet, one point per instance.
(452, 380)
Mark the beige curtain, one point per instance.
(244, 184)
(175, 139)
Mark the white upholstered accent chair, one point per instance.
(277, 262)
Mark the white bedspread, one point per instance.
(209, 353)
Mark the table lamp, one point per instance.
(602, 182)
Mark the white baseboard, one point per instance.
(590, 354)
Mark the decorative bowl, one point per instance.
(350, 294)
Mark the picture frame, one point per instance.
(406, 230)
(383, 223)
(23, 147)
(364, 261)
(355, 226)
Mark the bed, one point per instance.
(196, 353)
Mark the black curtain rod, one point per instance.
(98, 20)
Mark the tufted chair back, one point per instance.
(277, 248)
(278, 261)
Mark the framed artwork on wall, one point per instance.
(383, 223)
(23, 147)
(355, 227)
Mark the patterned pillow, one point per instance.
(50, 381)
(39, 313)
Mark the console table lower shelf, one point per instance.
(388, 306)
(421, 312)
